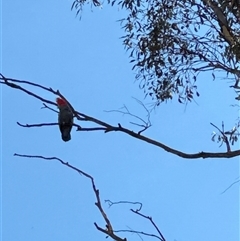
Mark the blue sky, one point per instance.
(45, 43)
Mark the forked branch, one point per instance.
(137, 211)
(108, 230)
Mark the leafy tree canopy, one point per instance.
(171, 42)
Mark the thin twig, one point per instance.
(37, 125)
(47, 107)
(137, 232)
(224, 137)
(152, 222)
(145, 125)
(110, 203)
(230, 186)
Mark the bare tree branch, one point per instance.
(137, 232)
(108, 128)
(12, 85)
(109, 230)
(79, 128)
(55, 92)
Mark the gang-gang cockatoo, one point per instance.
(65, 119)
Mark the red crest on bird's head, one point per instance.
(61, 102)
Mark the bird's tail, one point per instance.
(66, 136)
